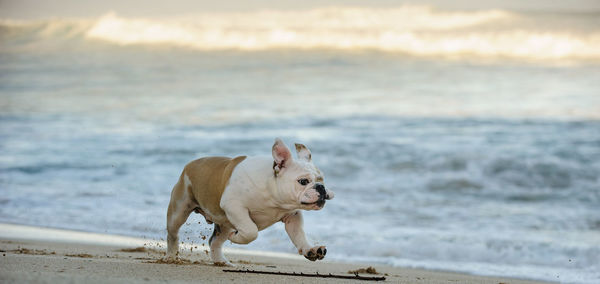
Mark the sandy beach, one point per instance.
(41, 255)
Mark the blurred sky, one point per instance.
(34, 9)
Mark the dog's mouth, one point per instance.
(320, 203)
(323, 196)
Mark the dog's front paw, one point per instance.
(314, 253)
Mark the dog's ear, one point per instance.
(303, 152)
(281, 155)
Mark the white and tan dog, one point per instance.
(243, 196)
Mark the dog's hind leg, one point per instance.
(180, 207)
(216, 241)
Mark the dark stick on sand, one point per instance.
(356, 276)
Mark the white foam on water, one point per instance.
(411, 30)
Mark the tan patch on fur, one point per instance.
(209, 177)
(300, 147)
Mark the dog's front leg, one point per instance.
(245, 229)
(294, 227)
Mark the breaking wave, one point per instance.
(412, 30)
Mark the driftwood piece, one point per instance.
(356, 276)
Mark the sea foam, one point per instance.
(411, 30)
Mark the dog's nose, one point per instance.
(321, 190)
(323, 193)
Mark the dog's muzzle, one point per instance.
(323, 195)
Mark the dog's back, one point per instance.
(208, 178)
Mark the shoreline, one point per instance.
(44, 255)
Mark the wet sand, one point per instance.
(40, 255)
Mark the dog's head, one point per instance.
(299, 181)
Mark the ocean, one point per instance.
(460, 140)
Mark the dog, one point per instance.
(244, 195)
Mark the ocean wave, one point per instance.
(18, 31)
(411, 30)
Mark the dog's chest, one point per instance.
(264, 218)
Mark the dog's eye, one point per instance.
(303, 181)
